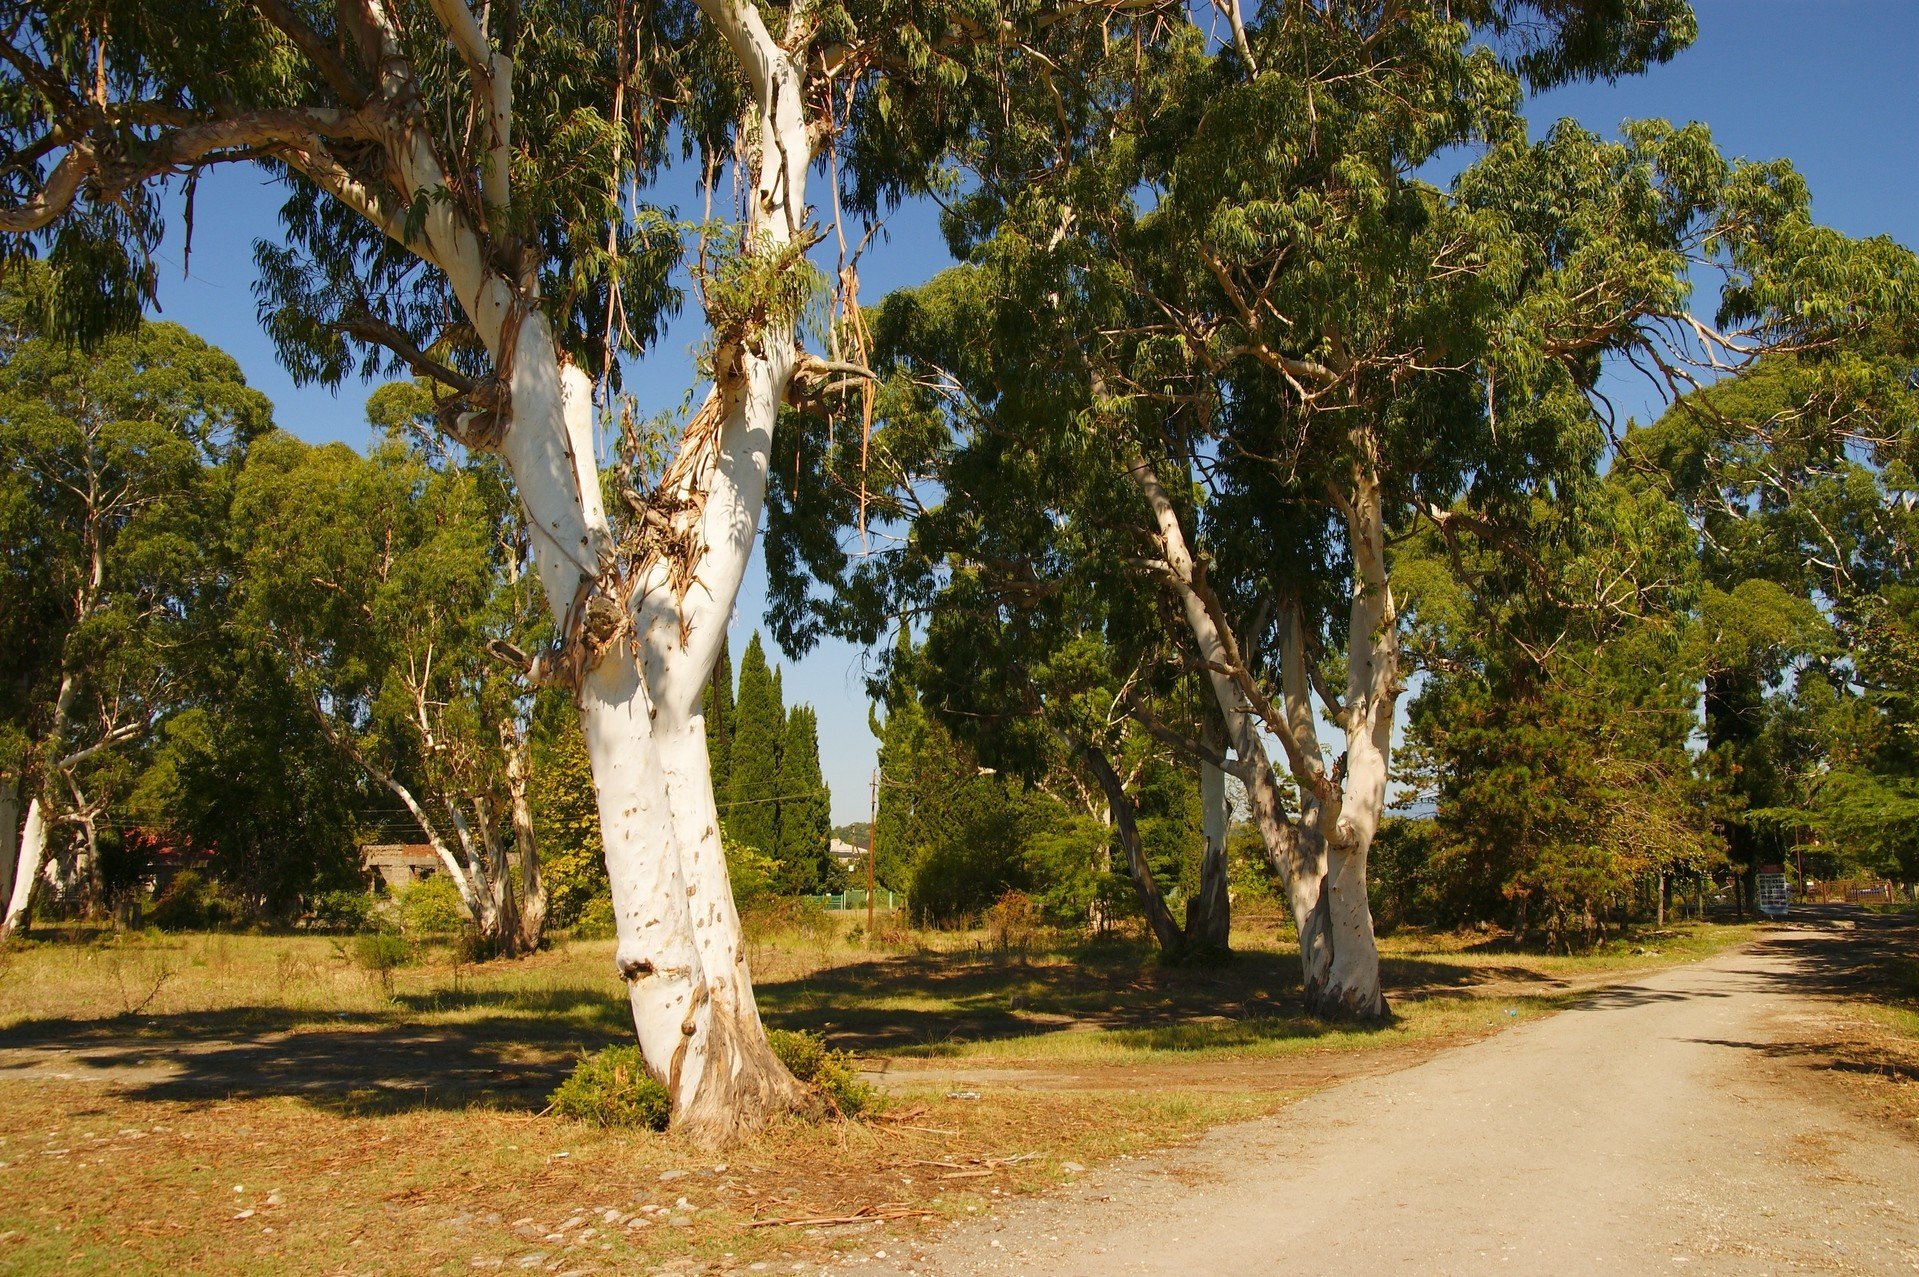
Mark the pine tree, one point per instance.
(751, 809)
(806, 822)
(716, 706)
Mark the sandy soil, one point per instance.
(1680, 1123)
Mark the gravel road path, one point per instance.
(1661, 1126)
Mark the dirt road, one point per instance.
(1660, 1126)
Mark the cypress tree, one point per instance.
(716, 705)
(806, 822)
(753, 782)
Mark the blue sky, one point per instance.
(1828, 84)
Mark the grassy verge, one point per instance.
(258, 1104)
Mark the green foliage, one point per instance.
(976, 852)
(750, 808)
(341, 910)
(594, 920)
(806, 864)
(612, 1088)
(190, 901)
(119, 464)
(380, 952)
(833, 1073)
(382, 583)
(432, 907)
(716, 711)
(755, 877)
(1397, 870)
(566, 818)
(748, 286)
(1554, 733)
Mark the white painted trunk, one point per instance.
(33, 854)
(678, 934)
(1372, 690)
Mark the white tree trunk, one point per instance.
(1372, 691)
(1291, 853)
(678, 934)
(33, 854)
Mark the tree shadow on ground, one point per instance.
(931, 1003)
(354, 1063)
(508, 1048)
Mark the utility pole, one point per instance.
(872, 844)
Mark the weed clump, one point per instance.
(379, 953)
(809, 1059)
(613, 1088)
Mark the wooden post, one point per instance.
(872, 845)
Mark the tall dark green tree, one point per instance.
(1798, 474)
(1552, 728)
(806, 810)
(716, 708)
(751, 811)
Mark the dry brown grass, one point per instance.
(257, 1104)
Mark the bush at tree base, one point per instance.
(612, 1088)
(833, 1073)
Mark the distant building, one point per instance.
(399, 864)
(845, 854)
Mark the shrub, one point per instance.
(1013, 921)
(613, 1088)
(595, 919)
(378, 952)
(193, 902)
(800, 917)
(809, 1059)
(432, 907)
(471, 944)
(341, 910)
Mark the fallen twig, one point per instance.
(865, 1214)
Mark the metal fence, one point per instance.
(855, 898)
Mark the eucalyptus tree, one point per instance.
(1209, 294)
(463, 203)
(386, 582)
(114, 488)
(1798, 475)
